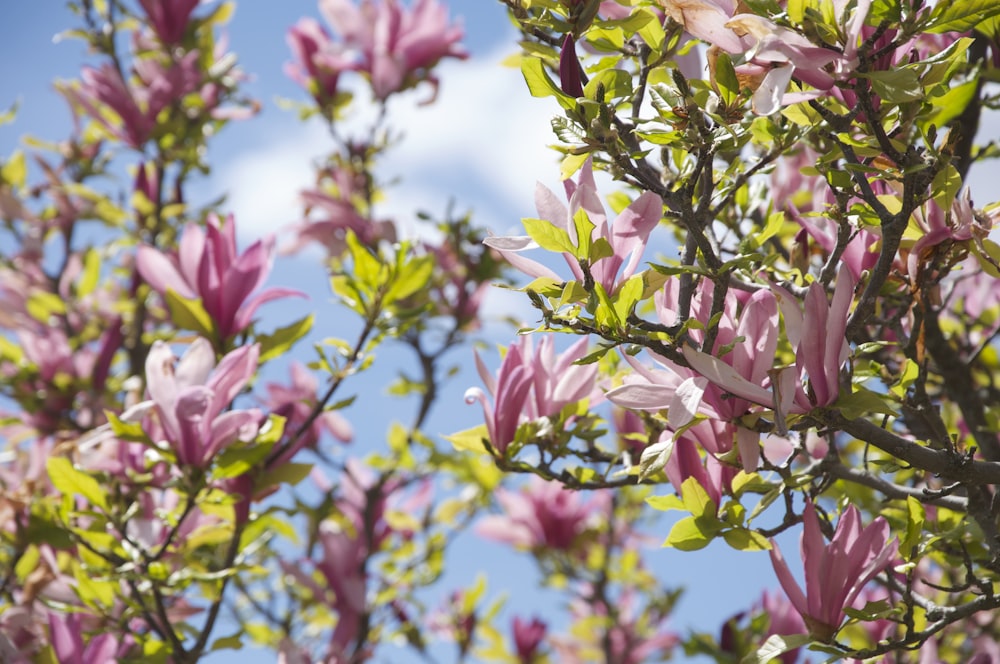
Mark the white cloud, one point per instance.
(481, 145)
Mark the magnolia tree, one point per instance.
(812, 352)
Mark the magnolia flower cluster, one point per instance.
(393, 46)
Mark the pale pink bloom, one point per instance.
(531, 385)
(138, 103)
(169, 18)
(206, 266)
(835, 572)
(397, 47)
(706, 20)
(627, 234)
(542, 515)
(959, 224)
(191, 398)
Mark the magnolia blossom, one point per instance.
(531, 385)
(774, 53)
(396, 47)
(207, 267)
(835, 572)
(169, 18)
(542, 515)
(627, 234)
(319, 61)
(295, 402)
(959, 224)
(191, 398)
(136, 103)
(528, 638)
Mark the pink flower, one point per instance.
(295, 402)
(319, 62)
(137, 104)
(191, 398)
(527, 638)
(337, 215)
(66, 634)
(207, 267)
(627, 235)
(510, 393)
(817, 332)
(169, 18)
(397, 47)
(837, 572)
(542, 515)
(553, 381)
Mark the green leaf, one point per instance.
(540, 84)
(189, 314)
(235, 461)
(548, 236)
(131, 431)
(696, 499)
(72, 482)
(951, 104)
(91, 273)
(896, 86)
(725, 79)
(863, 402)
(655, 457)
(584, 228)
(42, 305)
(10, 114)
(915, 518)
(871, 611)
(231, 642)
(412, 277)
(961, 15)
(470, 440)
(665, 503)
(775, 646)
(15, 170)
(652, 30)
(281, 340)
(690, 534)
(289, 473)
(946, 186)
(628, 296)
(617, 83)
(743, 539)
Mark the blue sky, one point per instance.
(482, 146)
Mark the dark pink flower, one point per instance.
(207, 267)
(835, 572)
(295, 401)
(542, 515)
(318, 61)
(136, 103)
(528, 636)
(169, 18)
